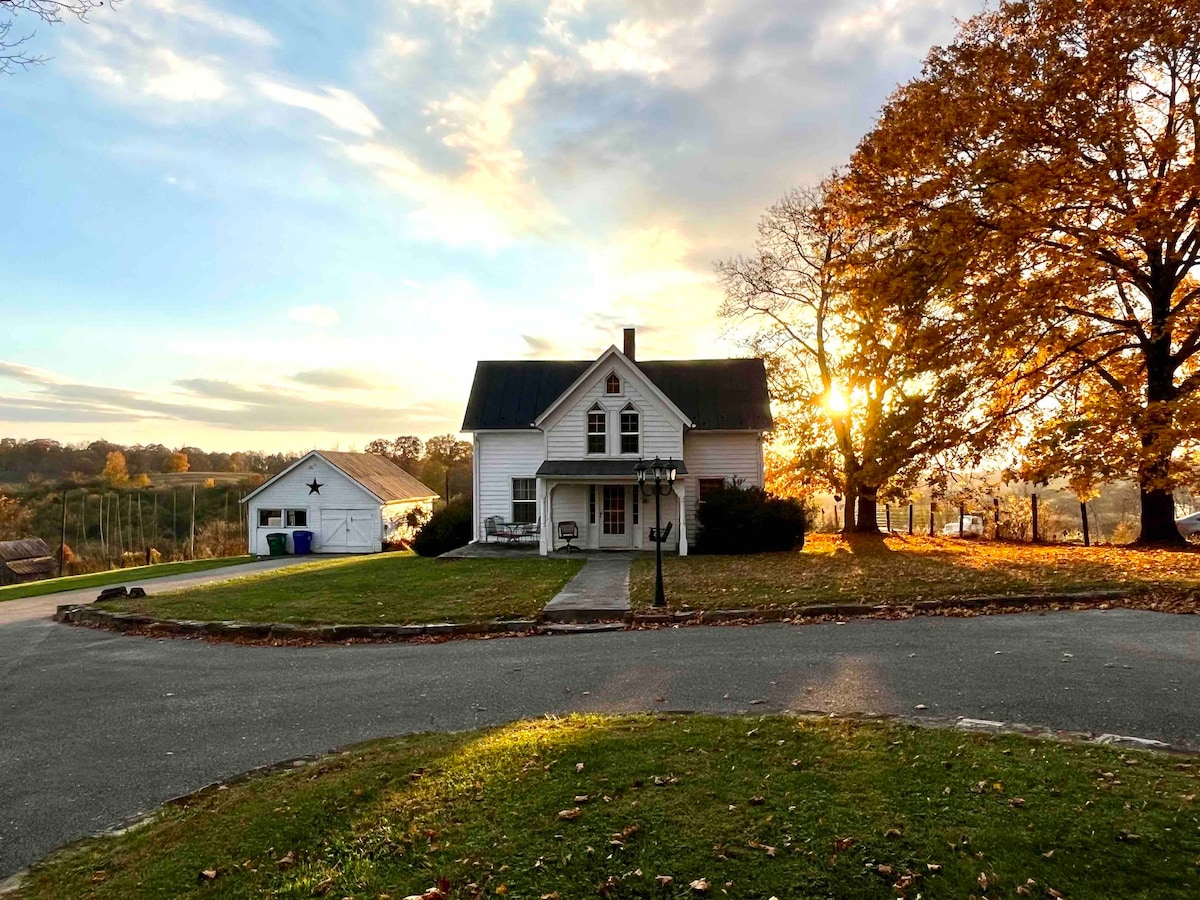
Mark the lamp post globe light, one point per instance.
(656, 479)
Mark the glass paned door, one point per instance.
(614, 510)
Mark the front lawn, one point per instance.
(390, 588)
(672, 807)
(896, 569)
(116, 576)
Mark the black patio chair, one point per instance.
(568, 531)
(666, 533)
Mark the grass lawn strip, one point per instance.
(389, 588)
(116, 576)
(905, 569)
(640, 806)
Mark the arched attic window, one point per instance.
(597, 430)
(612, 384)
(631, 429)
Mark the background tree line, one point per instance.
(1004, 270)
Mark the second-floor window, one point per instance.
(597, 430)
(631, 430)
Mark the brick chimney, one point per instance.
(631, 344)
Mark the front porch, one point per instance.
(607, 513)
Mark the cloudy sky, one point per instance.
(280, 224)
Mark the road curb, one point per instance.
(90, 615)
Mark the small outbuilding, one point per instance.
(351, 502)
(26, 560)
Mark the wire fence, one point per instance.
(99, 529)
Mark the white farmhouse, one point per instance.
(557, 441)
(351, 502)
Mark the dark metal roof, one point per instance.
(594, 468)
(716, 394)
(28, 548)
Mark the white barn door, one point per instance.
(348, 530)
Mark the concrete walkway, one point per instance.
(39, 607)
(600, 590)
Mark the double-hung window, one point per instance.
(283, 518)
(524, 501)
(631, 430)
(597, 430)
(706, 486)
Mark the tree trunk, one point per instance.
(1154, 472)
(868, 515)
(848, 511)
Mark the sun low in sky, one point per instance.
(278, 226)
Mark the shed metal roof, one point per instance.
(716, 394)
(380, 476)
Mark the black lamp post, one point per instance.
(662, 475)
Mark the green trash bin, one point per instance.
(277, 541)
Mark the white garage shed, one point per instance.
(351, 502)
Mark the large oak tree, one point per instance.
(1053, 143)
(866, 375)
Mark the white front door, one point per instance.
(614, 516)
(348, 530)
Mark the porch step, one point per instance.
(599, 592)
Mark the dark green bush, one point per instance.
(447, 529)
(749, 520)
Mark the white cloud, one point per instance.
(315, 315)
(630, 47)
(491, 199)
(217, 21)
(173, 77)
(467, 13)
(339, 107)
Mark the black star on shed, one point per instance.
(315, 487)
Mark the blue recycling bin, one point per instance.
(302, 542)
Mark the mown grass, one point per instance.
(613, 807)
(116, 576)
(896, 569)
(389, 588)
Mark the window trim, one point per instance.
(289, 517)
(596, 410)
(591, 504)
(523, 502)
(283, 514)
(622, 433)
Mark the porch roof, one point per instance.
(594, 468)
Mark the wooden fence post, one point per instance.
(910, 518)
(887, 517)
(1087, 540)
(62, 547)
(932, 510)
(1034, 503)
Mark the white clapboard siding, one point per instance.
(662, 431)
(500, 457)
(570, 504)
(291, 491)
(720, 455)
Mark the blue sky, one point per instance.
(280, 225)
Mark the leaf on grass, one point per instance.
(570, 814)
(700, 886)
(843, 843)
(205, 875)
(983, 880)
(582, 798)
(578, 767)
(287, 860)
(664, 880)
(1016, 802)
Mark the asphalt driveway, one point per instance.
(29, 608)
(95, 727)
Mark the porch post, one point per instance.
(683, 541)
(543, 504)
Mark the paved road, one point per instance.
(39, 607)
(96, 726)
